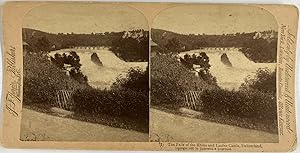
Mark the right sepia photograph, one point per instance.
(213, 75)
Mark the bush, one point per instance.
(42, 79)
(264, 81)
(244, 104)
(166, 91)
(173, 45)
(116, 103)
(128, 99)
(136, 79)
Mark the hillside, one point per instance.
(257, 46)
(124, 44)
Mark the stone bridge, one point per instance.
(88, 47)
(221, 48)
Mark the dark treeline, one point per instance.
(135, 42)
(257, 46)
(131, 49)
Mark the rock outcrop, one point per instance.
(96, 60)
(225, 60)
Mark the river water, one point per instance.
(231, 77)
(102, 76)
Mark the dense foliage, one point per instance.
(136, 79)
(257, 48)
(261, 50)
(256, 99)
(72, 62)
(169, 80)
(131, 47)
(117, 103)
(128, 98)
(202, 60)
(42, 79)
(43, 45)
(264, 81)
(173, 45)
(244, 104)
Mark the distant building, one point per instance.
(26, 48)
(153, 44)
(155, 48)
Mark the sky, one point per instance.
(214, 19)
(84, 18)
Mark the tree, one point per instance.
(132, 48)
(187, 61)
(136, 80)
(173, 45)
(78, 75)
(264, 81)
(74, 61)
(203, 61)
(43, 44)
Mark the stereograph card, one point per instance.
(149, 76)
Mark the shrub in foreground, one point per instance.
(166, 91)
(116, 103)
(42, 79)
(136, 79)
(264, 81)
(245, 103)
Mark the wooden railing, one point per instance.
(191, 98)
(64, 99)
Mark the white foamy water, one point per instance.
(231, 77)
(102, 76)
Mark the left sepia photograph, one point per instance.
(86, 75)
